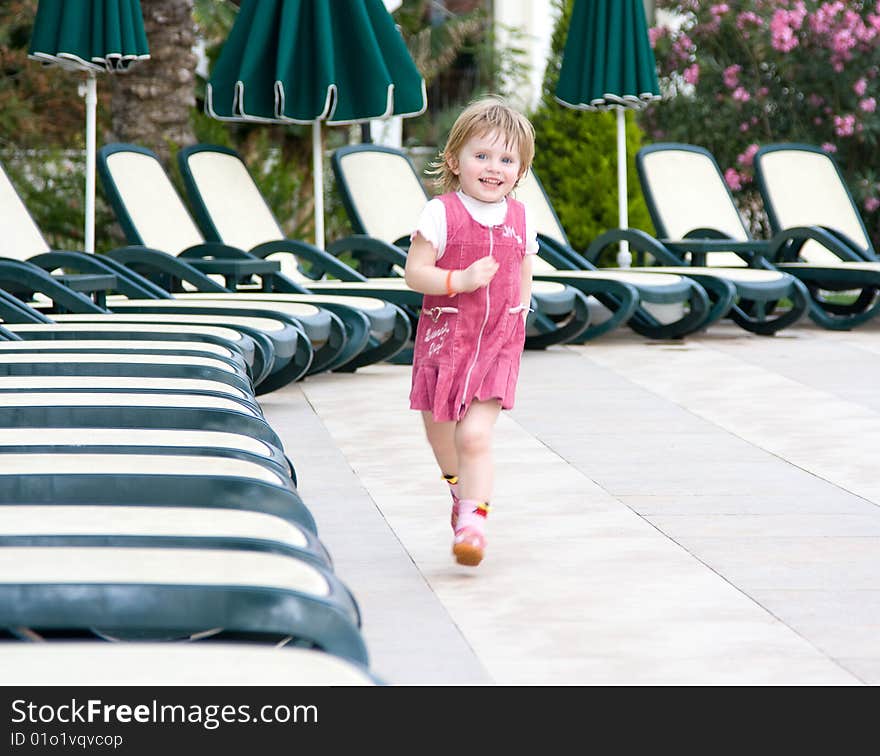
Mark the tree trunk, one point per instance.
(151, 105)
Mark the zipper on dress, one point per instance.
(467, 378)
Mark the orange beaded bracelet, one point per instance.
(450, 292)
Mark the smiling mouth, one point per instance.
(491, 181)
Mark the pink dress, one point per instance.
(469, 346)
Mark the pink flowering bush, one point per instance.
(739, 75)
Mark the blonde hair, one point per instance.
(478, 119)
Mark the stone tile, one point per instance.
(768, 526)
(824, 500)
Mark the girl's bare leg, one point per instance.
(473, 444)
(441, 437)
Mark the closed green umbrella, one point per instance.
(608, 64)
(308, 61)
(90, 36)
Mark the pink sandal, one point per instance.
(470, 542)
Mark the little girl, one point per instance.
(470, 257)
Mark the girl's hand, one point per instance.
(477, 274)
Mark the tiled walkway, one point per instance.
(702, 512)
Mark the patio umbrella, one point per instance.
(608, 64)
(90, 36)
(308, 61)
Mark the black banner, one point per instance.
(171, 720)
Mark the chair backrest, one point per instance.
(20, 238)
(380, 189)
(685, 191)
(530, 191)
(145, 202)
(802, 186)
(226, 200)
(384, 196)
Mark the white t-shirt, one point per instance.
(432, 221)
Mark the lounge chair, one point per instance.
(178, 527)
(153, 217)
(143, 593)
(700, 220)
(132, 364)
(676, 204)
(82, 415)
(112, 440)
(819, 234)
(372, 178)
(229, 340)
(142, 346)
(335, 343)
(230, 209)
(280, 331)
(150, 480)
(85, 406)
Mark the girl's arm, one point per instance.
(525, 296)
(423, 275)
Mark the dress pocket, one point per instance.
(436, 334)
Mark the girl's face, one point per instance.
(487, 167)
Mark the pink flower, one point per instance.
(815, 100)
(741, 95)
(845, 125)
(860, 86)
(871, 204)
(865, 32)
(822, 20)
(868, 105)
(830, 148)
(733, 178)
(744, 126)
(784, 39)
(657, 32)
(720, 9)
(683, 47)
(691, 74)
(783, 26)
(747, 157)
(731, 76)
(748, 18)
(843, 42)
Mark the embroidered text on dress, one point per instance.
(509, 232)
(436, 333)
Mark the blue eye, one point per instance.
(481, 156)
(507, 160)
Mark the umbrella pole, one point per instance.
(624, 258)
(91, 117)
(318, 178)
